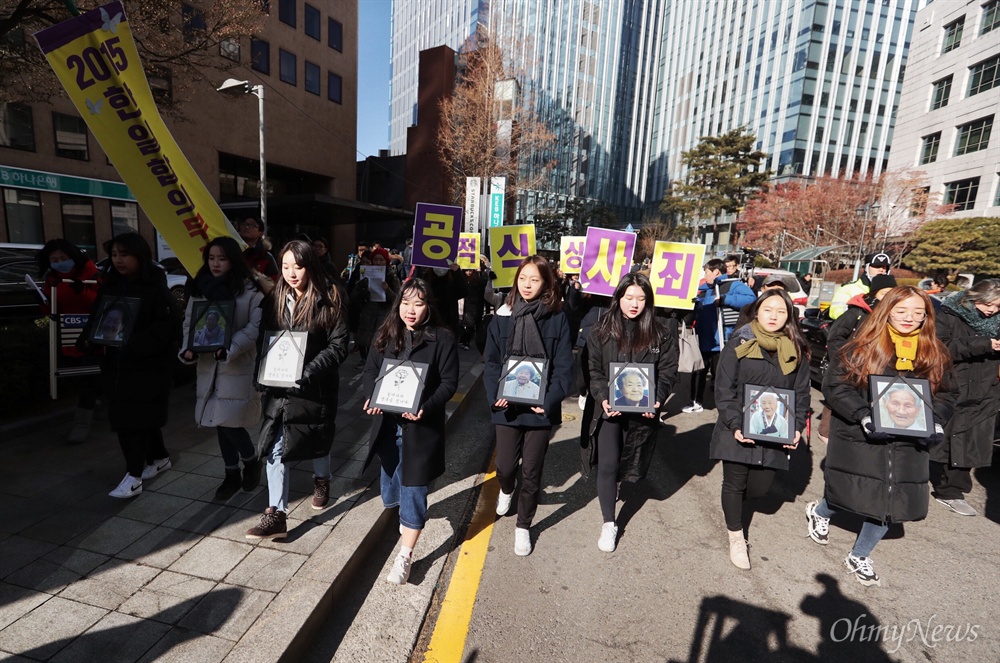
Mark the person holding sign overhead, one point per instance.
(529, 324)
(411, 446)
(624, 442)
(299, 422)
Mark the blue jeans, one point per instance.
(871, 532)
(411, 500)
(278, 478)
(235, 444)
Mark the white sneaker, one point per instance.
(582, 402)
(154, 468)
(400, 571)
(129, 487)
(609, 537)
(694, 407)
(503, 502)
(522, 542)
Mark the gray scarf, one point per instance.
(970, 315)
(525, 339)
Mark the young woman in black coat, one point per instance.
(881, 476)
(411, 446)
(529, 324)
(299, 422)
(629, 332)
(770, 351)
(969, 324)
(137, 375)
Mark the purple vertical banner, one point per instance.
(607, 257)
(435, 234)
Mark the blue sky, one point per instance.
(373, 76)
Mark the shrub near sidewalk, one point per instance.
(24, 358)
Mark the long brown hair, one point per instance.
(612, 323)
(871, 350)
(320, 307)
(551, 297)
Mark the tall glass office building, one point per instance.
(629, 85)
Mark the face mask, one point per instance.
(440, 271)
(62, 266)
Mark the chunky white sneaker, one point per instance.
(694, 407)
(609, 537)
(818, 527)
(400, 571)
(863, 569)
(522, 542)
(129, 487)
(503, 502)
(154, 468)
(738, 553)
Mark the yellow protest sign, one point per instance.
(571, 254)
(509, 246)
(95, 59)
(674, 273)
(468, 250)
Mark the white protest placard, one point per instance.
(376, 277)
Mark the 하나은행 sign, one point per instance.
(607, 257)
(509, 246)
(571, 254)
(435, 234)
(95, 58)
(674, 273)
(468, 251)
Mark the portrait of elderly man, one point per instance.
(522, 385)
(901, 407)
(767, 419)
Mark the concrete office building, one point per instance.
(56, 181)
(951, 98)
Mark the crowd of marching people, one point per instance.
(543, 340)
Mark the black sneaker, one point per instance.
(271, 526)
(321, 493)
(251, 474)
(818, 526)
(229, 485)
(863, 569)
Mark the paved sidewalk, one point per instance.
(169, 575)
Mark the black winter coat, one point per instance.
(423, 440)
(969, 434)
(733, 375)
(640, 435)
(307, 413)
(554, 330)
(884, 480)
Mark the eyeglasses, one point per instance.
(902, 314)
(248, 224)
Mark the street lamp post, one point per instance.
(868, 209)
(234, 86)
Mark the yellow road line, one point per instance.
(448, 639)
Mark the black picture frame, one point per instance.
(901, 406)
(399, 386)
(778, 427)
(283, 357)
(114, 320)
(530, 391)
(623, 378)
(202, 337)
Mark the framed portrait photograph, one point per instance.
(283, 357)
(523, 380)
(115, 318)
(901, 406)
(399, 386)
(632, 386)
(212, 326)
(768, 414)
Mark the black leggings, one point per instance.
(740, 482)
(700, 378)
(141, 447)
(530, 445)
(609, 453)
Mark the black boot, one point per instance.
(251, 474)
(229, 485)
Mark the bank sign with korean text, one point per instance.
(95, 59)
(509, 246)
(674, 273)
(607, 257)
(435, 234)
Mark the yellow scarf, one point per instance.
(906, 348)
(779, 342)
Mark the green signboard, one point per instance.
(22, 178)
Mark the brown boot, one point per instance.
(321, 493)
(271, 526)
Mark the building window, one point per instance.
(974, 136)
(78, 223)
(17, 130)
(260, 56)
(312, 19)
(335, 35)
(312, 78)
(942, 91)
(991, 16)
(71, 136)
(286, 12)
(984, 76)
(996, 201)
(961, 194)
(230, 48)
(124, 218)
(194, 23)
(24, 216)
(335, 86)
(953, 35)
(286, 66)
(929, 153)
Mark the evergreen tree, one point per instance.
(957, 245)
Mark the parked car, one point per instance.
(815, 325)
(798, 296)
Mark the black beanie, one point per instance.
(881, 282)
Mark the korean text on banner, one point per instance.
(675, 272)
(95, 58)
(498, 186)
(435, 234)
(468, 250)
(571, 254)
(607, 257)
(472, 186)
(509, 246)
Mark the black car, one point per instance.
(815, 325)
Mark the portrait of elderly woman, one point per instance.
(524, 384)
(769, 416)
(631, 389)
(900, 407)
